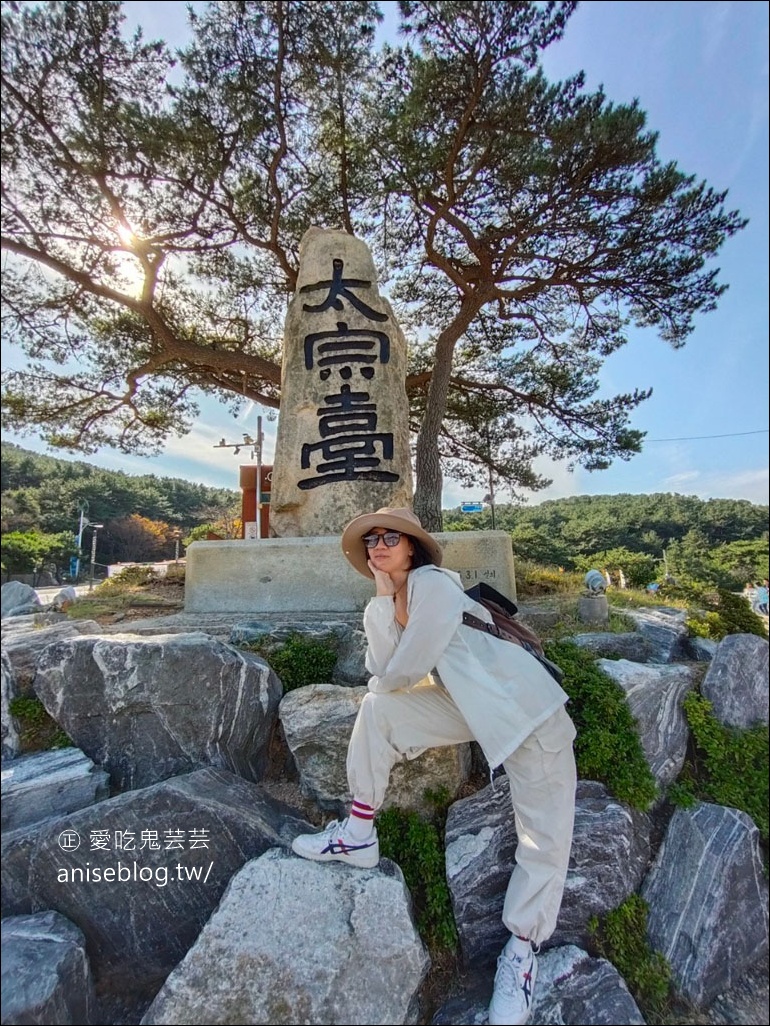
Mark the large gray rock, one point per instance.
(295, 941)
(736, 682)
(141, 873)
(630, 645)
(46, 977)
(655, 694)
(665, 630)
(610, 851)
(24, 647)
(702, 650)
(64, 598)
(571, 987)
(26, 610)
(317, 722)
(15, 596)
(46, 784)
(350, 669)
(708, 897)
(10, 728)
(149, 708)
(17, 847)
(343, 429)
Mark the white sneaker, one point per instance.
(514, 985)
(334, 844)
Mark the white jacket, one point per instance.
(503, 693)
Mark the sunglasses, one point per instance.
(391, 539)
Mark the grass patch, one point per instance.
(133, 588)
(620, 936)
(534, 581)
(725, 765)
(631, 597)
(38, 732)
(416, 844)
(607, 747)
(569, 622)
(96, 605)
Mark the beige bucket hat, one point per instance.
(398, 518)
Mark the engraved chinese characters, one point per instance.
(343, 436)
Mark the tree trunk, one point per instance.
(427, 494)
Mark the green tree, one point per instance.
(741, 561)
(688, 559)
(29, 552)
(638, 569)
(153, 229)
(136, 539)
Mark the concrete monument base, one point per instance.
(303, 574)
(593, 609)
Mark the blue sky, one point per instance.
(700, 71)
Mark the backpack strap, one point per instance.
(469, 620)
(481, 625)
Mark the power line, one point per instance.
(693, 438)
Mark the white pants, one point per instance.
(542, 776)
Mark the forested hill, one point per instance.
(557, 531)
(42, 493)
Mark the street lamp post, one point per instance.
(94, 528)
(83, 510)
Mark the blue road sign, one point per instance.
(472, 507)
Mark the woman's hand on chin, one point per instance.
(385, 585)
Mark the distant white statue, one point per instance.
(595, 582)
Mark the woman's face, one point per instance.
(390, 559)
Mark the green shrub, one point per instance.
(129, 577)
(621, 937)
(740, 618)
(38, 732)
(706, 625)
(607, 747)
(729, 766)
(416, 844)
(729, 614)
(299, 660)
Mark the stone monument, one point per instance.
(343, 427)
(342, 449)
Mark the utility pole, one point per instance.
(491, 496)
(258, 452)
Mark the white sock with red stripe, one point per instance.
(360, 824)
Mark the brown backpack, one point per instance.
(506, 627)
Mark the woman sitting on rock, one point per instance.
(436, 681)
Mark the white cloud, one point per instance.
(750, 484)
(674, 482)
